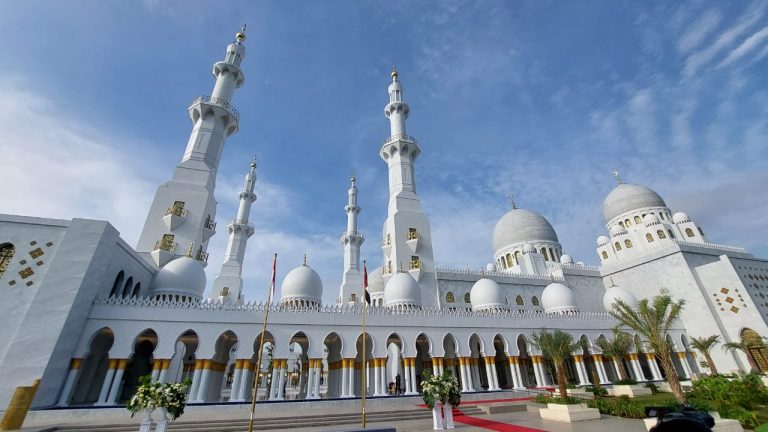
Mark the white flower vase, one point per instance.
(437, 417)
(448, 411)
(162, 422)
(146, 422)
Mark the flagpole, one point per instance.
(255, 388)
(365, 352)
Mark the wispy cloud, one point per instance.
(748, 45)
(698, 30)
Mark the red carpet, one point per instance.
(485, 401)
(459, 417)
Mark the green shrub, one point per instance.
(737, 398)
(547, 399)
(621, 407)
(597, 390)
(626, 381)
(654, 388)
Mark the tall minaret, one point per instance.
(351, 282)
(228, 285)
(183, 211)
(407, 241)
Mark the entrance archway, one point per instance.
(140, 363)
(94, 368)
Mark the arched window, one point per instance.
(552, 254)
(518, 255)
(689, 232)
(627, 223)
(450, 298)
(466, 298)
(509, 260)
(605, 255)
(661, 234)
(519, 301)
(118, 284)
(544, 254)
(628, 243)
(671, 234)
(6, 255)
(535, 301)
(127, 287)
(638, 220)
(649, 237)
(617, 245)
(136, 290)
(621, 224)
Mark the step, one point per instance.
(503, 407)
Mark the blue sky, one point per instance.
(542, 99)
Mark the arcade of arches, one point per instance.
(228, 375)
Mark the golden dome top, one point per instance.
(393, 74)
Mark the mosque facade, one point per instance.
(87, 314)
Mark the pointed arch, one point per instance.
(117, 283)
(7, 251)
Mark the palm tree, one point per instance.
(745, 344)
(557, 346)
(617, 348)
(705, 345)
(652, 319)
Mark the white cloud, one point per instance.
(698, 59)
(748, 45)
(56, 165)
(699, 30)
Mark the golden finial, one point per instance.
(191, 247)
(394, 74)
(511, 198)
(618, 177)
(253, 164)
(305, 259)
(240, 36)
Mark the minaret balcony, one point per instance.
(219, 102)
(351, 237)
(399, 137)
(236, 224)
(413, 240)
(202, 256)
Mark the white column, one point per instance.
(205, 382)
(107, 384)
(274, 379)
(578, 361)
(344, 378)
(164, 370)
(598, 359)
(514, 371)
(112, 398)
(655, 372)
(383, 373)
(69, 384)
(376, 376)
(537, 371)
(246, 382)
(238, 375)
(194, 388)
(281, 380)
(407, 373)
(311, 380)
(686, 367)
(414, 385)
(637, 367)
(351, 391)
(157, 365)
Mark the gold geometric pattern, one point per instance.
(36, 253)
(734, 309)
(729, 299)
(25, 273)
(724, 290)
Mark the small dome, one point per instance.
(490, 267)
(558, 298)
(376, 281)
(520, 225)
(680, 217)
(487, 295)
(650, 219)
(402, 290)
(617, 293)
(627, 197)
(617, 230)
(566, 259)
(301, 284)
(183, 276)
(603, 240)
(528, 248)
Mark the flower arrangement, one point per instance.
(150, 395)
(440, 388)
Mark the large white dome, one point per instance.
(617, 293)
(183, 276)
(627, 197)
(301, 284)
(558, 298)
(520, 225)
(487, 295)
(402, 290)
(376, 281)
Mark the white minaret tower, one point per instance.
(228, 285)
(183, 211)
(407, 240)
(351, 282)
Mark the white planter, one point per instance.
(448, 412)
(162, 421)
(146, 422)
(437, 417)
(569, 413)
(630, 390)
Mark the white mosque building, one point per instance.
(87, 314)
